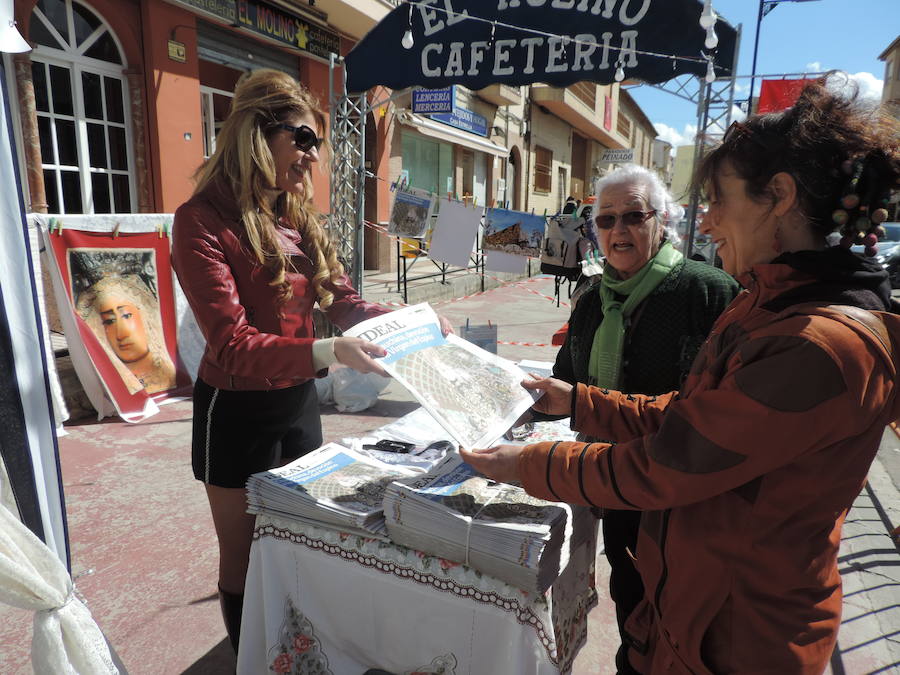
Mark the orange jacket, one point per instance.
(745, 477)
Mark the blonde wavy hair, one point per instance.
(243, 161)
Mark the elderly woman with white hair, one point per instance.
(637, 329)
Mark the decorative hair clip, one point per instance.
(861, 210)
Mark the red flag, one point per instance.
(776, 95)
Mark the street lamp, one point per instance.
(765, 6)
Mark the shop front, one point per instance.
(120, 102)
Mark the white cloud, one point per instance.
(870, 87)
(814, 67)
(676, 138)
(741, 88)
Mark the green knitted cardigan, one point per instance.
(664, 334)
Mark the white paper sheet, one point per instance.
(454, 233)
(497, 261)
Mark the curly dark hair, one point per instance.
(812, 141)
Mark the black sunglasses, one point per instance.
(607, 221)
(304, 138)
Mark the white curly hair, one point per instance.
(668, 212)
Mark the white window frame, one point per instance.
(207, 116)
(77, 63)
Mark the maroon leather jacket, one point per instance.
(250, 344)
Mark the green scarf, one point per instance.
(605, 369)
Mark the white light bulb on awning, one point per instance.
(407, 39)
(710, 71)
(708, 16)
(11, 41)
(712, 40)
(620, 73)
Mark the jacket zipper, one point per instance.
(665, 566)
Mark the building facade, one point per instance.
(120, 101)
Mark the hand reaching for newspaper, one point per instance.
(556, 398)
(357, 354)
(446, 326)
(500, 463)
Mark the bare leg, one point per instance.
(234, 528)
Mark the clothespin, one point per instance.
(115, 232)
(393, 186)
(545, 213)
(448, 195)
(532, 210)
(489, 324)
(475, 202)
(159, 230)
(467, 323)
(55, 224)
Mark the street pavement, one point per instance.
(144, 551)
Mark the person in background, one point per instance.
(253, 260)
(637, 328)
(745, 475)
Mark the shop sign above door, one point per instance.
(273, 23)
(465, 120)
(476, 43)
(430, 101)
(613, 156)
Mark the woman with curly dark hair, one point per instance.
(746, 474)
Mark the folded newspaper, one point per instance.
(333, 487)
(456, 513)
(475, 395)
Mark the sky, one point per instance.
(794, 37)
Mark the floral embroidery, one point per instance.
(440, 665)
(283, 663)
(298, 650)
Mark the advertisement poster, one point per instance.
(120, 292)
(513, 232)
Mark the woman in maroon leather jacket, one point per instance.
(253, 259)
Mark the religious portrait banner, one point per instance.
(120, 295)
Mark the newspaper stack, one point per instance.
(455, 513)
(331, 487)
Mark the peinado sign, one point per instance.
(522, 41)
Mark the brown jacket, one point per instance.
(251, 342)
(745, 477)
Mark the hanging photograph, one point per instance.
(513, 232)
(411, 212)
(121, 295)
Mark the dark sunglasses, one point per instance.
(607, 221)
(304, 138)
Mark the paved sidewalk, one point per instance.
(144, 552)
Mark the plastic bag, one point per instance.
(354, 391)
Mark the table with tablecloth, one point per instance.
(320, 601)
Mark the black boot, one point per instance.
(232, 605)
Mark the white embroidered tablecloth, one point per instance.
(318, 601)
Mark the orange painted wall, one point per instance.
(314, 75)
(173, 103)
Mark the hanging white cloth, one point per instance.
(66, 639)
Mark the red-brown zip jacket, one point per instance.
(251, 342)
(745, 478)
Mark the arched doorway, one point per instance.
(82, 110)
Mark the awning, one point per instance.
(447, 133)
